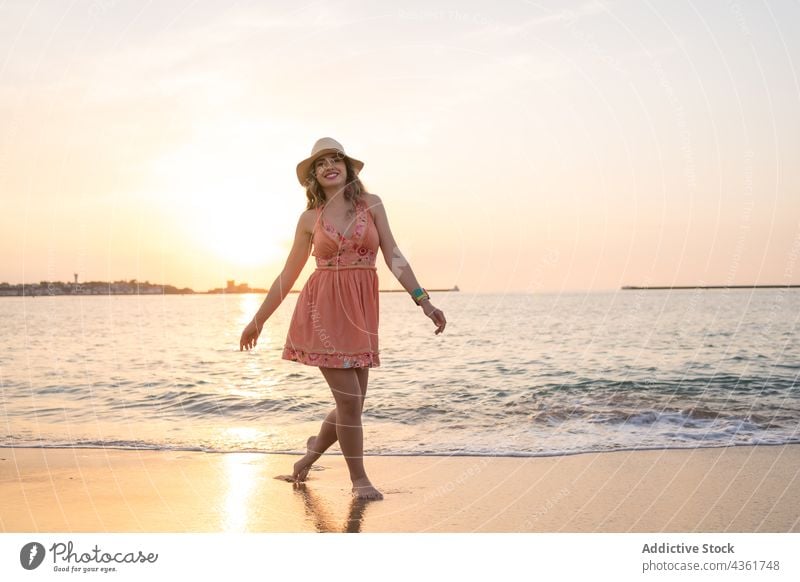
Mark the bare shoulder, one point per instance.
(378, 211)
(372, 199)
(307, 221)
(374, 203)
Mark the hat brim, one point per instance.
(304, 167)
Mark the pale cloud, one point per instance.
(585, 10)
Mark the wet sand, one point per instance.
(731, 489)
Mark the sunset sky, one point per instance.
(518, 146)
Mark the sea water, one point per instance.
(513, 374)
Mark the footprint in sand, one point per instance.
(290, 479)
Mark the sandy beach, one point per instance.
(731, 489)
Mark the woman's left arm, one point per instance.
(397, 263)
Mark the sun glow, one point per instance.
(222, 195)
(235, 223)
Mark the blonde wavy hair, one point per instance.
(354, 189)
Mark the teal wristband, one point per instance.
(419, 294)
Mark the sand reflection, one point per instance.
(322, 517)
(242, 475)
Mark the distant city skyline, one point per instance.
(123, 286)
(126, 286)
(518, 147)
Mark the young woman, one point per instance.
(335, 322)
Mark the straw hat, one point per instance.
(325, 145)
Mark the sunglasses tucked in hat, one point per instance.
(326, 145)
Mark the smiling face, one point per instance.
(330, 170)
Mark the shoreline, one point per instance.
(740, 488)
(337, 453)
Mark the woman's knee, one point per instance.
(348, 406)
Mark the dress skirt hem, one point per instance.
(332, 360)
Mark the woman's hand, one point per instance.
(249, 336)
(436, 315)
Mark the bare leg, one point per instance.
(317, 445)
(346, 390)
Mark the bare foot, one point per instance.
(303, 466)
(363, 489)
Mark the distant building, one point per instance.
(232, 287)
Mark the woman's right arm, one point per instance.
(291, 271)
